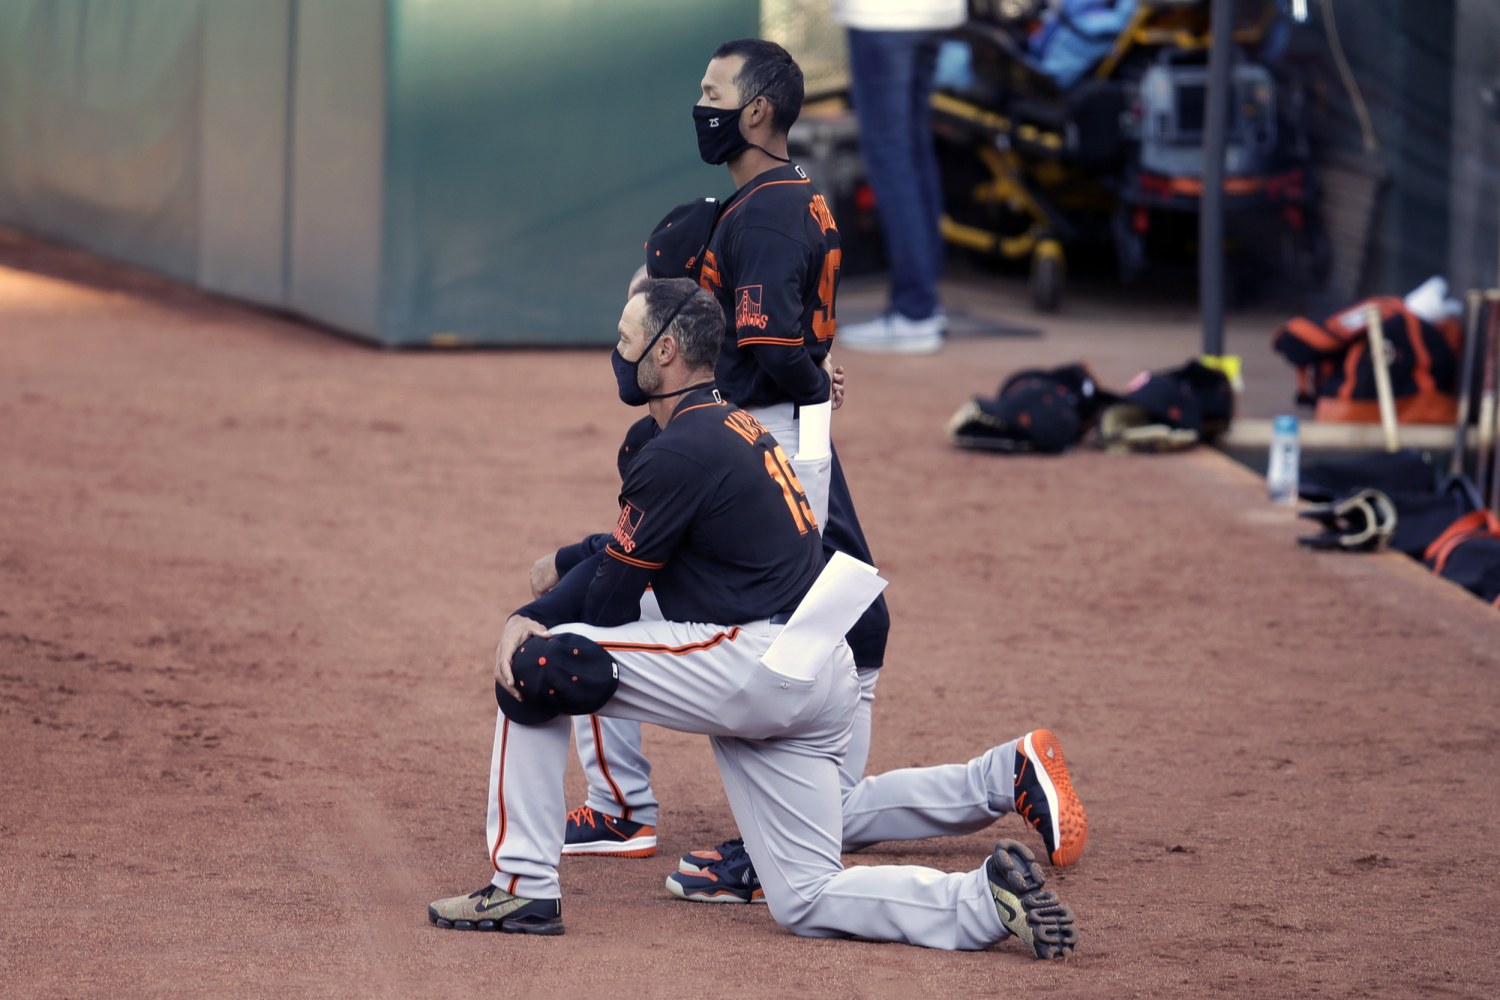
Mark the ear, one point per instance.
(760, 111)
(666, 349)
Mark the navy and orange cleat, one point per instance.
(593, 832)
(731, 879)
(696, 861)
(1045, 797)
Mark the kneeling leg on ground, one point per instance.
(783, 799)
(777, 742)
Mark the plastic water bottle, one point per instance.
(1285, 459)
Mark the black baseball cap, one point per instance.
(1036, 414)
(1190, 397)
(1075, 378)
(564, 674)
(1035, 410)
(675, 247)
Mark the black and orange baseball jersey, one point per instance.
(637, 437)
(712, 517)
(773, 263)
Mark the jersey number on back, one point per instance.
(777, 467)
(824, 320)
(780, 469)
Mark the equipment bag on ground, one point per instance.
(1468, 553)
(1334, 369)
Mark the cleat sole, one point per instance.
(716, 896)
(639, 847)
(546, 927)
(1044, 750)
(1050, 930)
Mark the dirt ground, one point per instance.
(251, 576)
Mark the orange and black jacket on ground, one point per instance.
(1332, 357)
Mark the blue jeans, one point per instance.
(891, 75)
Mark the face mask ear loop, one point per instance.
(670, 317)
(772, 155)
(762, 93)
(687, 389)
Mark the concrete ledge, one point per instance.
(1317, 436)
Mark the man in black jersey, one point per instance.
(774, 256)
(773, 263)
(713, 518)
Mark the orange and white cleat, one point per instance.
(1045, 797)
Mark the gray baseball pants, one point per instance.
(778, 742)
(947, 800)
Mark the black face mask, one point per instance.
(719, 136)
(627, 373)
(627, 380)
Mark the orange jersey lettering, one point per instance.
(709, 277)
(819, 209)
(747, 308)
(744, 425)
(825, 322)
(625, 527)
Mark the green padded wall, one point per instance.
(409, 172)
(246, 89)
(99, 126)
(530, 149)
(336, 164)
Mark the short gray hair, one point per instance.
(698, 327)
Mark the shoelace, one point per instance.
(1025, 812)
(725, 851)
(1022, 806)
(582, 815)
(735, 867)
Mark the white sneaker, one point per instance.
(893, 333)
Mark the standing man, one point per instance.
(774, 255)
(893, 52)
(715, 520)
(773, 262)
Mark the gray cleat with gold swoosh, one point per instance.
(494, 909)
(1031, 913)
